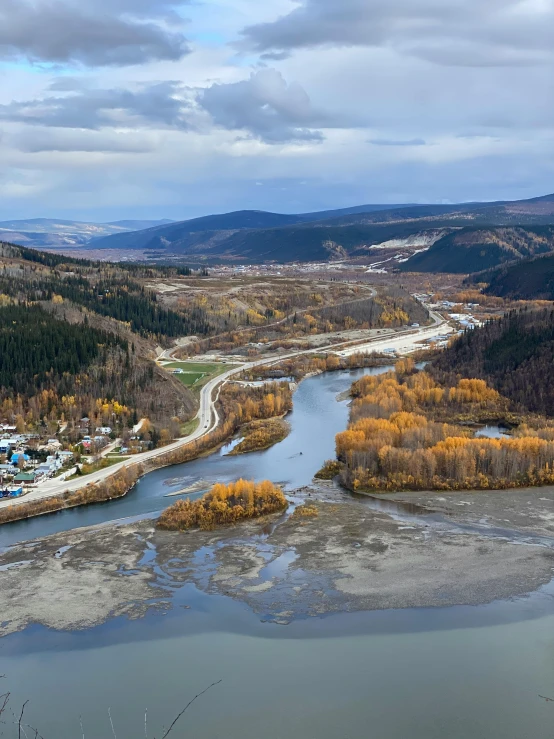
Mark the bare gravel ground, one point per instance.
(348, 557)
(528, 510)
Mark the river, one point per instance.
(455, 672)
(315, 420)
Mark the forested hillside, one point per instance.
(257, 236)
(124, 300)
(475, 249)
(102, 288)
(531, 279)
(52, 369)
(514, 354)
(37, 349)
(77, 339)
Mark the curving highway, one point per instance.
(402, 341)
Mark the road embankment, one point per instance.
(203, 438)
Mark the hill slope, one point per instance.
(474, 249)
(178, 236)
(49, 232)
(76, 336)
(513, 354)
(530, 279)
(259, 236)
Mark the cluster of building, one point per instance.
(24, 461)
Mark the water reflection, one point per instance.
(493, 432)
(315, 420)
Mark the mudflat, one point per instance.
(357, 553)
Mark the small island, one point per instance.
(224, 505)
(262, 434)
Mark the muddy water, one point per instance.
(458, 672)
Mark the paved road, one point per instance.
(207, 412)
(168, 355)
(406, 341)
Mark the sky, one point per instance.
(116, 109)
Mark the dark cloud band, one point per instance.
(89, 32)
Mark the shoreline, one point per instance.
(147, 466)
(208, 405)
(350, 557)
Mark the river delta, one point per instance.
(439, 603)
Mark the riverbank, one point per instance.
(185, 449)
(350, 557)
(257, 436)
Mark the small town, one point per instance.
(27, 461)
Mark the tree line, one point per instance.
(47, 259)
(36, 349)
(121, 299)
(514, 354)
(53, 371)
(398, 437)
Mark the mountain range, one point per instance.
(462, 237)
(525, 279)
(258, 236)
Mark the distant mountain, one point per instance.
(257, 236)
(475, 249)
(163, 236)
(462, 237)
(138, 225)
(211, 230)
(50, 232)
(216, 234)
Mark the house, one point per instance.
(5, 446)
(66, 457)
(12, 491)
(8, 469)
(46, 468)
(105, 430)
(53, 445)
(55, 462)
(17, 456)
(27, 478)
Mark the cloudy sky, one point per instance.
(168, 108)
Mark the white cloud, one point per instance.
(376, 100)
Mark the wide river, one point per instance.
(439, 673)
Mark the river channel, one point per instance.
(423, 673)
(316, 419)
